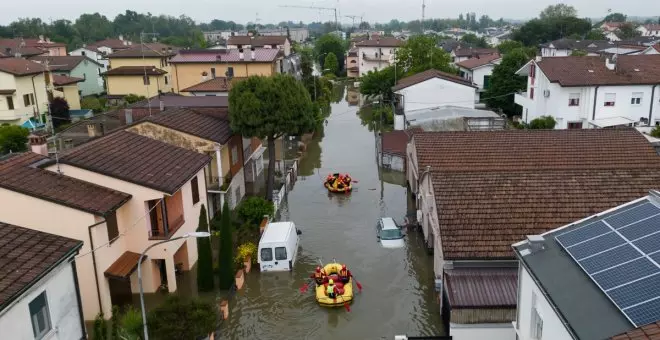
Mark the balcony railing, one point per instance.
(215, 183)
(385, 58)
(173, 227)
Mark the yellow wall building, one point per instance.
(123, 75)
(67, 88)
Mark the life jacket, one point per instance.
(318, 275)
(330, 289)
(343, 273)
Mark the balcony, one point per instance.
(385, 58)
(17, 114)
(522, 99)
(165, 219)
(218, 184)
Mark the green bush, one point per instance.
(205, 280)
(91, 103)
(543, 122)
(245, 250)
(253, 209)
(178, 319)
(225, 254)
(656, 132)
(130, 324)
(133, 98)
(13, 138)
(100, 327)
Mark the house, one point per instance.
(609, 260)
(565, 47)
(218, 86)
(77, 67)
(40, 297)
(587, 92)
(655, 49)
(611, 36)
(611, 26)
(67, 88)
(476, 197)
(297, 34)
(461, 54)
(478, 70)
(216, 36)
(22, 90)
(391, 149)
(649, 30)
(246, 42)
(376, 54)
(32, 46)
(100, 50)
(235, 160)
(352, 63)
(422, 91)
(451, 118)
(190, 67)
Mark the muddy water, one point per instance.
(397, 296)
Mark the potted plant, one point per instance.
(246, 252)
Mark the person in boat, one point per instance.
(344, 274)
(330, 179)
(347, 179)
(331, 290)
(339, 183)
(319, 275)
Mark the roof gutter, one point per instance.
(593, 115)
(652, 101)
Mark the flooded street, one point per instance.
(398, 294)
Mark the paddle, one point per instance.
(346, 304)
(358, 284)
(306, 285)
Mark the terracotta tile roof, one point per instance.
(62, 63)
(382, 41)
(134, 71)
(149, 50)
(20, 173)
(652, 27)
(20, 67)
(258, 41)
(473, 52)
(648, 332)
(429, 74)
(194, 123)
(59, 80)
(10, 51)
(27, 255)
(218, 84)
(115, 44)
(261, 55)
(137, 159)
(17, 42)
(591, 71)
(395, 142)
(482, 287)
(184, 101)
(479, 61)
(124, 266)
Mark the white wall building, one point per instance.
(589, 92)
(650, 30)
(479, 70)
(377, 54)
(42, 301)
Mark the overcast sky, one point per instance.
(269, 11)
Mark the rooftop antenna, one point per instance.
(423, 13)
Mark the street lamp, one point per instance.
(198, 234)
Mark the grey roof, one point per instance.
(448, 112)
(578, 300)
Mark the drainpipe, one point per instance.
(96, 274)
(652, 101)
(36, 99)
(80, 310)
(593, 116)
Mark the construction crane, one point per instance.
(320, 9)
(355, 17)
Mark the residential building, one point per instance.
(611, 26)
(77, 67)
(655, 49)
(297, 34)
(451, 118)
(246, 42)
(22, 90)
(479, 192)
(216, 36)
(565, 47)
(235, 160)
(190, 67)
(649, 30)
(460, 54)
(611, 36)
(376, 54)
(478, 70)
(588, 92)
(609, 260)
(391, 149)
(67, 88)
(32, 46)
(218, 86)
(100, 50)
(352, 63)
(40, 297)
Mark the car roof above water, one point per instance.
(276, 232)
(388, 223)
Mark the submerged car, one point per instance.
(389, 233)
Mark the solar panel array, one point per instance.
(621, 254)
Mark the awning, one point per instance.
(32, 125)
(482, 287)
(612, 121)
(7, 92)
(124, 266)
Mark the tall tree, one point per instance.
(558, 11)
(13, 138)
(615, 17)
(269, 108)
(421, 53)
(205, 280)
(226, 249)
(476, 41)
(59, 110)
(327, 44)
(504, 82)
(508, 45)
(627, 31)
(331, 65)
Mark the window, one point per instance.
(166, 81)
(234, 155)
(532, 71)
(266, 254)
(531, 93)
(636, 98)
(610, 99)
(213, 72)
(486, 82)
(40, 316)
(536, 328)
(145, 80)
(280, 253)
(230, 72)
(111, 224)
(26, 100)
(10, 102)
(195, 190)
(574, 99)
(574, 125)
(82, 53)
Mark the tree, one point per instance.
(543, 122)
(504, 82)
(91, 103)
(59, 110)
(205, 281)
(507, 46)
(225, 254)
(100, 327)
(420, 53)
(578, 53)
(269, 108)
(615, 17)
(133, 98)
(473, 39)
(595, 35)
(330, 43)
(558, 11)
(537, 31)
(380, 83)
(364, 25)
(331, 65)
(178, 319)
(13, 138)
(627, 31)
(253, 209)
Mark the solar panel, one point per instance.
(621, 254)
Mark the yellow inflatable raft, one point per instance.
(332, 269)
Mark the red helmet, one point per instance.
(343, 266)
(318, 268)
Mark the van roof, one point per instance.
(276, 232)
(388, 223)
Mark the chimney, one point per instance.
(536, 242)
(254, 54)
(128, 114)
(102, 128)
(538, 58)
(161, 105)
(91, 130)
(611, 63)
(121, 37)
(241, 56)
(38, 144)
(41, 38)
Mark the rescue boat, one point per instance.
(345, 290)
(333, 184)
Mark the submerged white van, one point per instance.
(278, 247)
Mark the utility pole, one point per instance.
(144, 67)
(423, 12)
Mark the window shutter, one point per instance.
(111, 224)
(195, 190)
